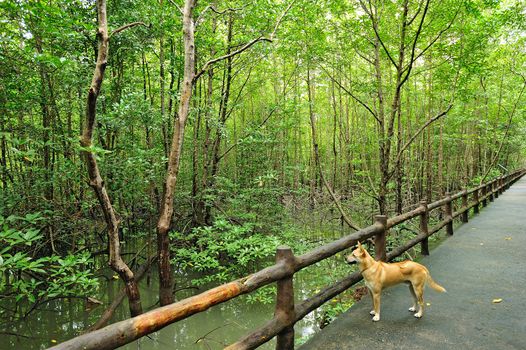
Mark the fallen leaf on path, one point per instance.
(53, 341)
(481, 243)
(428, 304)
(496, 301)
(508, 238)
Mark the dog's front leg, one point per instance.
(371, 293)
(376, 306)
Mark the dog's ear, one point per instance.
(360, 246)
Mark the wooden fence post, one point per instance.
(465, 213)
(491, 187)
(285, 301)
(379, 239)
(477, 202)
(449, 214)
(484, 190)
(424, 218)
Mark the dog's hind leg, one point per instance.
(415, 299)
(419, 291)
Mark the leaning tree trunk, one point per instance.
(163, 225)
(96, 182)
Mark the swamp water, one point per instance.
(221, 325)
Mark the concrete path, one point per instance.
(484, 260)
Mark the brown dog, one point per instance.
(379, 275)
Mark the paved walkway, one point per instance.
(484, 260)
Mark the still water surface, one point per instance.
(213, 329)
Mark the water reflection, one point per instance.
(213, 329)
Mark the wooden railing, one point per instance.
(286, 312)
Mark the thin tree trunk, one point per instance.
(399, 163)
(317, 168)
(223, 108)
(96, 182)
(47, 117)
(163, 225)
(334, 127)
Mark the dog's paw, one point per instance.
(372, 313)
(412, 309)
(376, 318)
(418, 315)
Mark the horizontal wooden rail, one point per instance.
(337, 246)
(404, 217)
(124, 332)
(274, 326)
(282, 272)
(439, 226)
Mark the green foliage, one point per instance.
(252, 174)
(335, 308)
(25, 279)
(225, 251)
(265, 295)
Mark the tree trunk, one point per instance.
(167, 207)
(96, 182)
(223, 109)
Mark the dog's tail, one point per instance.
(434, 285)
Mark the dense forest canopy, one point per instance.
(271, 117)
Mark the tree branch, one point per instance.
(201, 15)
(422, 128)
(224, 57)
(352, 95)
(229, 9)
(281, 19)
(415, 41)
(244, 47)
(213, 9)
(433, 41)
(416, 13)
(375, 24)
(363, 56)
(177, 6)
(127, 26)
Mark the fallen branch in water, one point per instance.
(18, 335)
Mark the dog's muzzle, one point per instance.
(349, 259)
